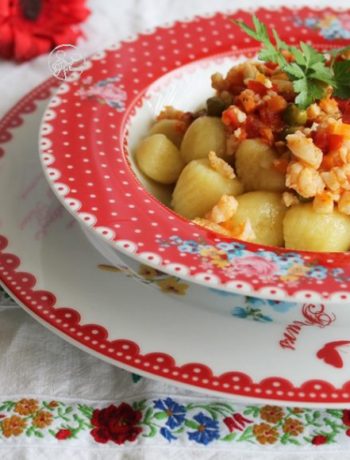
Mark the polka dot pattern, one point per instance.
(96, 169)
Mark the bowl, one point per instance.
(90, 130)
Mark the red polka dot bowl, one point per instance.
(92, 125)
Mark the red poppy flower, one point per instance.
(319, 439)
(346, 417)
(117, 424)
(32, 27)
(63, 434)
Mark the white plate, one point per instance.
(47, 264)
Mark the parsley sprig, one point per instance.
(309, 71)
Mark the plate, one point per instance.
(49, 267)
(111, 105)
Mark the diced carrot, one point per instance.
(342, 129)
(257, 87)
(229, 118)
(271, 65)
(321, 140)
(335, 141)
(331, 160)
(276, 104)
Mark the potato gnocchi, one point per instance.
(253, 165)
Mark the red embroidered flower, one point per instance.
(346, 417)
(32, 27)
(236, 421)
(319, 439)
(117, 424)
(63, 434)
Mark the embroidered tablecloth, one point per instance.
(57, 402)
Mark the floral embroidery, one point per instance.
(104, 91)
(207, 430)
(172, 420)
(330, 26)
(117, 424)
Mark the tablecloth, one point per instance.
(57, 402)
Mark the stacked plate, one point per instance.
(227, 317)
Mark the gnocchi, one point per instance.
(254, 165)
(203, 135)
(159, 159)
(265, 212)
(200, 187)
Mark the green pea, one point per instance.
(294, 116)
(215, 106)
(288, 130)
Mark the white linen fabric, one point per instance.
(36, 364)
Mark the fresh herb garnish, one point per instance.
(309, 70)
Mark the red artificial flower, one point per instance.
(63, 434)
(117, 424)
(236, 421)
(319, 439)
(32, 27)
(346, 417)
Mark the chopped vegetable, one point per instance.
(306, 67)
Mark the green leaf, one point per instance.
(295, 70)
(191, 424)
(229, 437)
(152, 432)
(38, 434)
(160, 415)
(342, 78)
(148, 415)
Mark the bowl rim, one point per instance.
(257, 264)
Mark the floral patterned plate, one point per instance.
(50, 268)
(96, 119)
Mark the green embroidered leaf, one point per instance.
(38, 434)
(69, 409)
(229, 437)
(139, 405)
(293, 441)
(335, 412)
(148, 415)
(160, 415)
(51, 432)
(180, 430)
(153, 431)
(191, 424)
(86, 410)
(246, 435)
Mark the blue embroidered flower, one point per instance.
(311, 22)
(168, 435)
(319, 272)
(176, 412)
(206, 432)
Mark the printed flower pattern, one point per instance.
(172, 420)
(106, 91)
(330, 26)
(234, 258)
